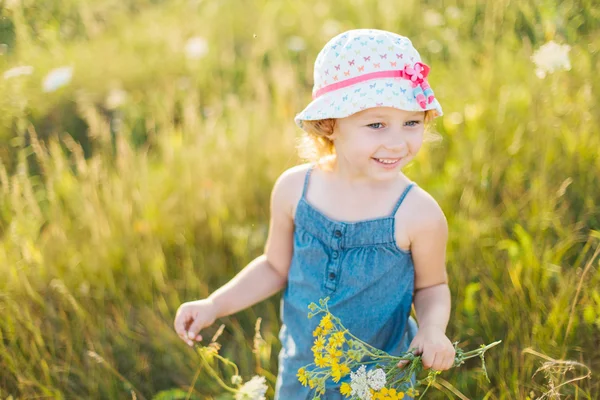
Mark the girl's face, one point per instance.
(377, 142)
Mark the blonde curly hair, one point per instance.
(315, 144)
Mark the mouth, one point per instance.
(387, 162)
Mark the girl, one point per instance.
(350, 225)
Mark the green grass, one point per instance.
(110, 218)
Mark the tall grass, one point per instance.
(111, 216)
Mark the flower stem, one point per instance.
(212, 373)
(477, 352)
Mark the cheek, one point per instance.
(358, 143)
(367, 145)
(415, 142)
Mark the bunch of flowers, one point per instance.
(338, 353)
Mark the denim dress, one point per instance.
(369, 281)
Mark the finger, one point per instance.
(414, 349)
(195, 328)
(440, 363)
(450, 360)
(446, 362)
(428, 359)
(179, 324)
(403, 363)
(182, 321)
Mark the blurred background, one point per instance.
(140, 139)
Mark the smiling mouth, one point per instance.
(387, 161)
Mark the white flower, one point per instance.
(433, 18)
(551, 57)
(455, 118)
(18, 71)
(453, 12)
(254, 389)
(331, 28)
(11, 4)
(57, 78)
(116, 98)
(376, 379)
(236, 380)
(358, 383)
(362, 381)
(434, 46)
(296, 43)
(196, 48)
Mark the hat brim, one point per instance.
(386, 92)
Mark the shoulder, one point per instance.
(423, 213)
(287, 189)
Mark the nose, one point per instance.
(395, 142)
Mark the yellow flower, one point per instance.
(319, 345)
(317, 331)
(345, 389)
(334, 353)
(344, 369)
(321, 361)
(326, 324)
(315, 351)
(302, 376)
(320, 342)
(337, 339)
(412, 392)
(328, 360)
(340, 336)
(311, 383)
(336, 372)
(400, 395)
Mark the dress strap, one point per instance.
(306, 178)
(401, 199)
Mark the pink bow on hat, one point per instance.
(417, 73)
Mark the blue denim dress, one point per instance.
(368, 278)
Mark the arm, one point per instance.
(432, 306)
(263, 277)
(267, 274)
(256, 282)
(432, 295)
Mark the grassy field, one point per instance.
(141, 179)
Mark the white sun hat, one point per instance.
(365, 68)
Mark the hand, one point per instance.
(436, 349)
(193, 316)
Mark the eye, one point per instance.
(412, 123)
(376, 123)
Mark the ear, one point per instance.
(335, 134)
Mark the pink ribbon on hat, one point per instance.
(417, 74)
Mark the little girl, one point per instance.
(350, 225)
